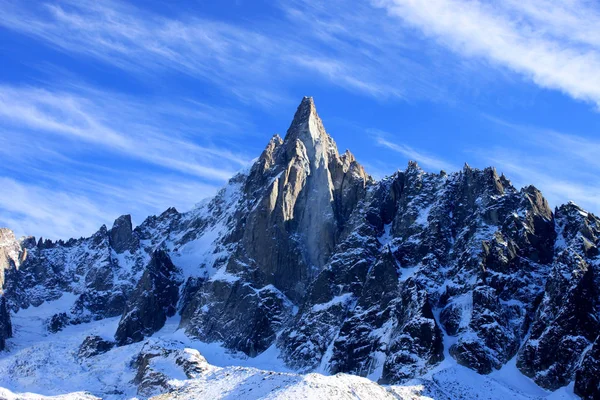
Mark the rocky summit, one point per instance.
(307, 257)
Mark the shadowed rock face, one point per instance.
(153, 301)
(566, 323)
(121, 236)
(306, 252)
(427, 254)
(587, 376)
(293, 208)
(5, 323)
(151, 377)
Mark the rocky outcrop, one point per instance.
(152, 377)
(87, 267)
(93, 346)
(587, 377)
(12, 254)
(238, 315)
(463, 247)
(122, 237)
(301, 193)
(153, 301)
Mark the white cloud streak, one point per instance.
(554, 43)
(355, 48)
(66, 207)
(354, 45)
(75, 159)
(102, 119)
(427, 160)
(563, 166)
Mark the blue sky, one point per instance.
(114, 107)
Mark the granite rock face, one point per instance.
(12, 254)
(429, 254)
(304, 251)
(289, 217)
(122, 237)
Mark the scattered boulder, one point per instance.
(58, 322)
(159, 362)
(94, 345)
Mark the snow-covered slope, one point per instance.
(448, 285)
(42, 365)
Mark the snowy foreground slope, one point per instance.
(43, 366)
(439, 285)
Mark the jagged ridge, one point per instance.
(308, 253)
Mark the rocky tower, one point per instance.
(303, 192)
(292, 210)
(343, 274)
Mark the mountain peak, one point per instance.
(305, 109)
(304, 112)
(307, 125)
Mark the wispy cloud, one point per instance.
(129, 38)
(76, 206)
(117, 125)
(563, 165)
(554, 43)
(77, 157)
(558, 186)
(175, 151)
(356, 48)
(27, 208)
(427, 160)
